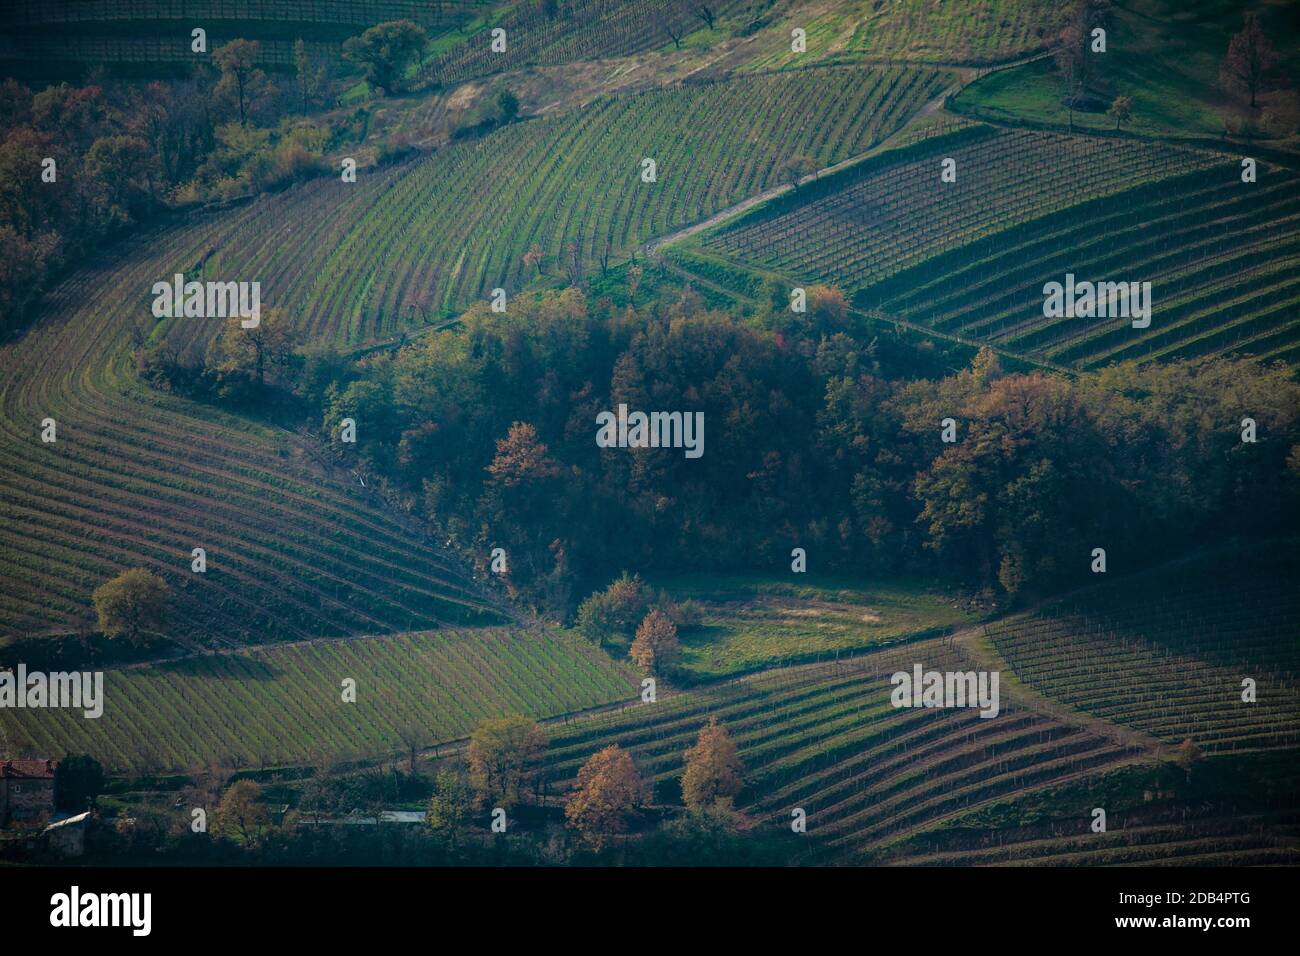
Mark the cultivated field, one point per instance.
(1168, 655)
(145, 34)
(576, 31)
(1235, 810)
(974, 32)
(296, 547)
(354, 259)
(825, 738)
(284, 705)
(970, 258)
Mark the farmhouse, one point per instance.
(26, 792)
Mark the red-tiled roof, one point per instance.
(28, 769)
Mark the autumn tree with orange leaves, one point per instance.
(608, 792)
(655, 648)
(713, 768)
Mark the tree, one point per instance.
(250, 352)
(713, 768)
(704, 13)
(309, 75)
(507, 107)
(503, 756)
(673, 30)
(412, 736)
(385, 51)
(124, 171)
(655, 648)
(240, 77)
(1251, 60)
(78, 779)
(133, 602)
(795, 169)
(1121, 110)
(242, 814)
(615, 610)
(1072, 63)
(450, 805)
(533, 257)
(607, 792)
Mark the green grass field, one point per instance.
(1165, 55)
(750, 622)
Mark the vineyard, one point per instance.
(574, 31)
(825, 738)
(970, 258)
(354, 259)
(1222, 811)
(884, 218)
(360, 12)
(1168, 656)
(975, 32)
(282, 705)
(131, 32)
(296, 548)
(1221, 256)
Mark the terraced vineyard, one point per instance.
(1237, 810)
(970, 258)
(1221, 255)
(1173, 837)
(886, 217)
(351, 257)
(1169, 659)
(281, 705)
(825, 738)
(364, 12)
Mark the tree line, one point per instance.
(817, 438)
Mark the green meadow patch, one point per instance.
(749, 622)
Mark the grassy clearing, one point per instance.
(1163, 54)
(751, 622)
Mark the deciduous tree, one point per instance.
(385, 51)
(130, 604)
(713, 768)
(504, 756)
(1251, 60)
(242, 814)
(609, 789)
(655, 648)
